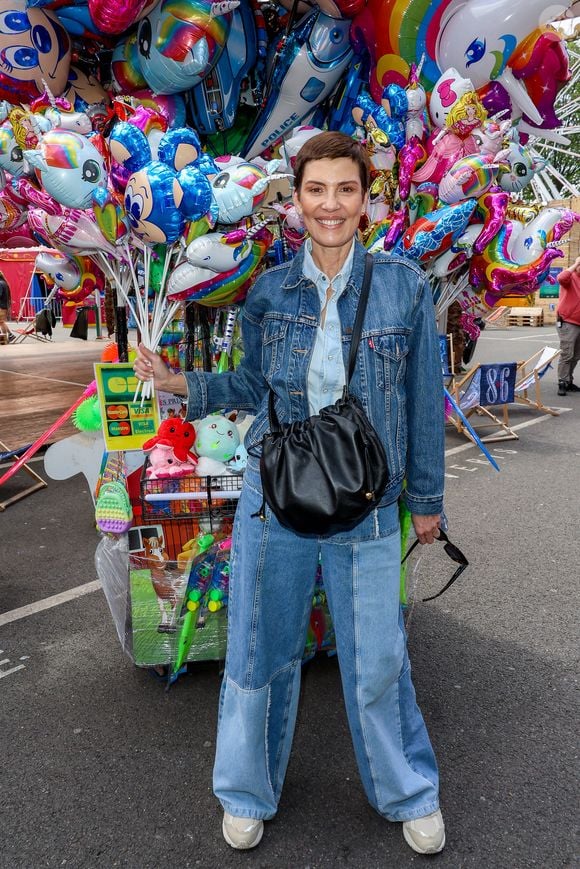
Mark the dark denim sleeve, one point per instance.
(243, 388)
(425, 410)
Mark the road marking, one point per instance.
(521, 337)
(9, 672)
(48, 602)
(38, 377)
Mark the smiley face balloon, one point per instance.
(34, 48)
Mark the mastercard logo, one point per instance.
(117, 411)
(119, 429)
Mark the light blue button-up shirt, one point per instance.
(326, 375)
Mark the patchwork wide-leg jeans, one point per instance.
(271, 586)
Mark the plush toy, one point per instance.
(208, 467)
(179, 435)
(217, 438)
(240, 460)
(163, 464)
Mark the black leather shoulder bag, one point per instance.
(324, 474)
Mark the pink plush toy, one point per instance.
(164, 464)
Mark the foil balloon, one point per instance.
(65, 272)
(129, 146)
(457, 254)
(309, 65)
(85, 92)
(35, 196)
(126, 72)
(480, 39)
(114, 17)
(171, 106)
(446, 93)
(434, 233)
(495, 275)
(110, 215)
(416, 106)
(159, 201)
(76, 277)
(178, 43)
(11, 156)
(11, 215)
(409, 156)
(541, 64)
(204, 281)
(34, 48)
(518, 258)
(527, 241)
(238, 58)
(366, 112)
(239, 188)
(69, 167)
(73, 232)
(518, 167)
(470, 177)
(492, 207)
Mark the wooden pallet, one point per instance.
(526, 317)
(498, 318)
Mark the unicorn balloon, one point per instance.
(479, 38)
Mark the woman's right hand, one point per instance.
(150, 366)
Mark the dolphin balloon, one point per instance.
(433, 233)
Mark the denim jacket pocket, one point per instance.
(390, 350)
(273, 335)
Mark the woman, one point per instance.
(296, 326)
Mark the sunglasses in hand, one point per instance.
(454, 554)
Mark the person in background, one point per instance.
(6, 335)
(455, 329)
(569, 327)
(296, 326)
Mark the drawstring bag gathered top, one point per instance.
(326, 473)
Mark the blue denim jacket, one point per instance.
(397, 375)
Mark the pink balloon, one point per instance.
(113, 16)
(38, 197)
(75, 231)
(494, 206)
(409, 155)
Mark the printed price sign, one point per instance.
(127, 424)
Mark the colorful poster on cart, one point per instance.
(127, 424)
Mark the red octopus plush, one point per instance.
(175, 433)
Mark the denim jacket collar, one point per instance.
(295, 275)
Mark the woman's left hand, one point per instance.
(426, 527)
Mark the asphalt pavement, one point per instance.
(102, 767)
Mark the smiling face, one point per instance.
(33, 47)
(331, 200)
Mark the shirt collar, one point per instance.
(310, 270)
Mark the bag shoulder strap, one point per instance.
(360, 315)
(355, 339)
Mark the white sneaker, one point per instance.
(425, 835)
(242, 832)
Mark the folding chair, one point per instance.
(482, 387)
(529, 374)
(39, 484)
(28, 332)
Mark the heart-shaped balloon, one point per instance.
(109, 214)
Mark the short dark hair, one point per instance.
(332, 145)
